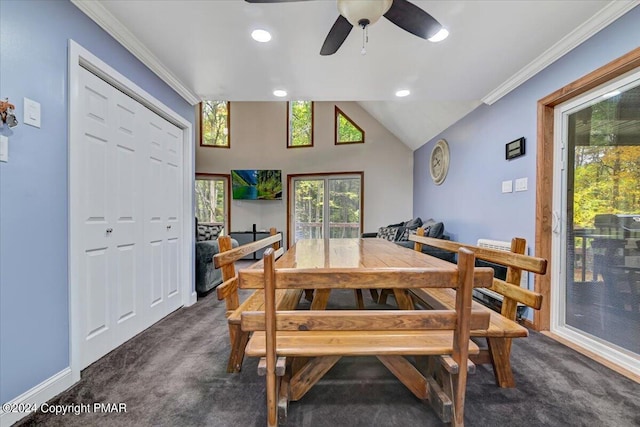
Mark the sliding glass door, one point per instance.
(328, 205)
(596, 287)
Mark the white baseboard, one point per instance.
(38, 395)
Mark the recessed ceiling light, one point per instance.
(402, 93)
(439, 36)
(261, 36)
(280, 93)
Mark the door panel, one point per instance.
(163, 202)
(95, 153)
(96, 264)
(126, 282)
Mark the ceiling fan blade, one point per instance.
(411, 18)
(337, 35)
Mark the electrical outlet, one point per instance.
(4, 148)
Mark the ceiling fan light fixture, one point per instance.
(403, 92)
(262, 36)
(280, 93)
(439, 36)
(357, 10)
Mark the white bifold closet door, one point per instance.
(131, 169)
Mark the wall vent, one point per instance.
(505, 246)
(493, 299)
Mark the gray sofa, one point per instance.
(399, 234)
(207, 276)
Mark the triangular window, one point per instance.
(347, 131)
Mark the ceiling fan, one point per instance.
(363, 13)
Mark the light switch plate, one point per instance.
(507, 186)
(31, 112)
(521, 184)
(4, 149)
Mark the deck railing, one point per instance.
(337, 230)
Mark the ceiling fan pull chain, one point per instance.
(365, 38)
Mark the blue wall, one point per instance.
(34, 309)
(470, 201)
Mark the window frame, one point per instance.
(337, 113)
(313, 106)
(320, 175)
(228, 127)
(214, 177)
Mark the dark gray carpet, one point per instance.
(173, 374)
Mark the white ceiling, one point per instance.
(205, 49)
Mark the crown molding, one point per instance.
(608, 14)
(101, 16)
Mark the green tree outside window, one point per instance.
(347, 131)
(215, 124)
(300, 124)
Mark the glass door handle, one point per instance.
(555, 222)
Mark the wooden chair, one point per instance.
(228, 291)
(326, 336)
(503, 326)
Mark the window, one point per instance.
(347, 132)
(214, 124)
(212, 200)
(299, 124)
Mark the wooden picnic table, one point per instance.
(374, 264)
(332, 254)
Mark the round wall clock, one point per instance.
(439, 162)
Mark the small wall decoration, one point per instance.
(514, 149)
(439, 162)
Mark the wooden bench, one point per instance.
(326, 336)
(503, 326)
(228, 290)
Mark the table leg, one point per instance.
(320, 299)
(407, 374)
(305, 378)
(308, 294)
(403, 299)
(359, 299)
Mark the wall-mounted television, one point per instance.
(256, 184)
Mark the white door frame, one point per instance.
(602, 348)
(80, 57)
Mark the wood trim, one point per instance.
(200, 121)
(594, 356)
(290, 178)
(526, 323)
(337, 112)
(313, 107)
(544, 174)
(228, 189)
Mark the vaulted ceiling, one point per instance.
(205, 51)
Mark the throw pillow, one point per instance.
(435, 230)
(208, 232)
(387, 233)
(413, 223)
(404, 235)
